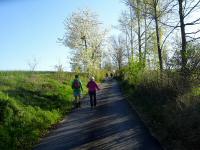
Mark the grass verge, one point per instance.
(30, 103)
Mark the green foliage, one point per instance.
(30, 103)
(170, 107)
(99, 74)
(133, 72)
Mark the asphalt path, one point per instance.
(113, 124)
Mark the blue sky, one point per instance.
(29, 29)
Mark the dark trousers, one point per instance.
(92, 98)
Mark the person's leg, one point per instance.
(95, 98)
(79, 101)
(91, 101)
(76, 101)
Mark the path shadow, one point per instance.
(111, 125)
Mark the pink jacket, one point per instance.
(92, 86)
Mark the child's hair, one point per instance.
(76, 76)
(92, 78)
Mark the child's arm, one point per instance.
(97, 87)
(81, 86)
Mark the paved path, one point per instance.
(113, 124)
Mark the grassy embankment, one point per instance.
(30, 103)
(170, 108)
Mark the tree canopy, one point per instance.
(85, 36)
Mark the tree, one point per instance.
(135, 6)
(126, 27)
(33, 64)
(154, 12)
(118, 50)
(59, 67)
(184, 11)
(85, 37)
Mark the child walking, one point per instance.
(77, 88)
(92, 87)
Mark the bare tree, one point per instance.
(184, 11)
(118, 50)
(136, 10)
(126, 27)
(33, 64)
(59, 68)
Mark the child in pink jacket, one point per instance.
(92, 87)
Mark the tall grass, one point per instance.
(30, 103)
(170, 107)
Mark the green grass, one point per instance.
(196, 91)
(30, 103)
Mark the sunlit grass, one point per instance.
(30, 103)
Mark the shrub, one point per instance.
(169, 106)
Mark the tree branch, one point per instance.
(192, 38)
(193, 32)
(168, 25)
(194, 22)
(147, 27)
(148, 38)
(168, 36)
(165, 8)
(192, 9)
(186, 9)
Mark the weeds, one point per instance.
(170, 108)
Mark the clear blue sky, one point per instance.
(29, 29)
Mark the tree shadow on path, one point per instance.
(111, 125)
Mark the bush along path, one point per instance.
(113, 124)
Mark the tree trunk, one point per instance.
(183, 36)
(139, 40)
(131, 15)
(139, 31)
(145, 36)
(158, 37)
(127, 48)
